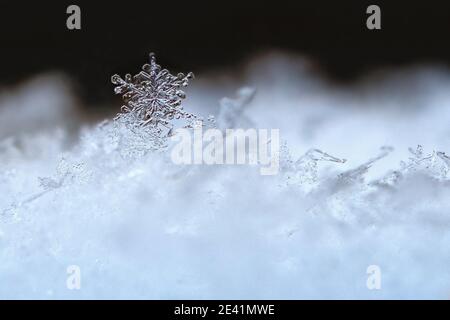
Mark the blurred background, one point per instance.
(209, 35)
(55, 77)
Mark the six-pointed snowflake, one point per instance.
(153, 96)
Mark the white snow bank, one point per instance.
(140, 227)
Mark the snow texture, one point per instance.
(354, 190)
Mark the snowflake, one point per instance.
(153, 97)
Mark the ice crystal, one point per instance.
(286, 161)
(307, 165)
(232, 110)
(153, 97)
(437, 163)
(66, 174)
(357, 174)
(304, 171)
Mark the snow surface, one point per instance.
(139, 226)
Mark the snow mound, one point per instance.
(139, 226)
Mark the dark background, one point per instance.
(116, 37)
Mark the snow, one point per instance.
(139, 226)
